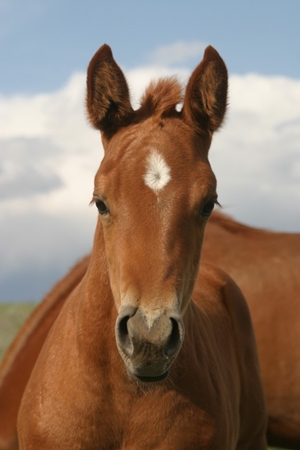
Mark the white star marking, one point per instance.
(158, 172)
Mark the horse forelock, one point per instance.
(161, 97)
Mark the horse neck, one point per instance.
(95, 311)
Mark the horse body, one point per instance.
(247, 254)
(266, 267)
(198, 406)
(132, 361)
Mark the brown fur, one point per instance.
(266, 267)
(208, 107)
(246, 253)
(117, 369)
(108, 103)
(22, 354)
(161, 98)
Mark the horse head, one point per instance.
(154, 192)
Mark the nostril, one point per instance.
(123, 330)
(174, 340)
(123, 336)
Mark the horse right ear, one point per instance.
(108, 103)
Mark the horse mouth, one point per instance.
(152, 379)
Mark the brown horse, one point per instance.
(247, 254)
(271, 259)
(132, 361)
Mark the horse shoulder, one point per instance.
(225, 299)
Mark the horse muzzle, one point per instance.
(148, 345)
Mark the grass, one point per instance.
(12, 316)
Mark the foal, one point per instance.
(132, 362)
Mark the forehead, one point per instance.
(155, 154)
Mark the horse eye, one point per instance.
(102, 208)
(207, 208)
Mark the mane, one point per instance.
(161, 97)
(229, 224)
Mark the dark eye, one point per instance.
(102, 208)
(207, 208)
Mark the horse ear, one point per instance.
(205, 99)
(108, 103)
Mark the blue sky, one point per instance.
(49, 154)
(43, 42)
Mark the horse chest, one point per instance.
(188, 429)
(165, 419)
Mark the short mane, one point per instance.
(161, 97)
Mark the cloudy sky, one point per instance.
(49, 153)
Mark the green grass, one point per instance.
(12, 316)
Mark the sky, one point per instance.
(49, 152)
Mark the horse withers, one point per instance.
(148, 351)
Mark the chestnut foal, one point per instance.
(133, 362)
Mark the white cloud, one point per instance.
(25, 169)
(49, 156)
(177, 53)
(256, 157)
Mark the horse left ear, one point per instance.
(108, 103)
(205, 99)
